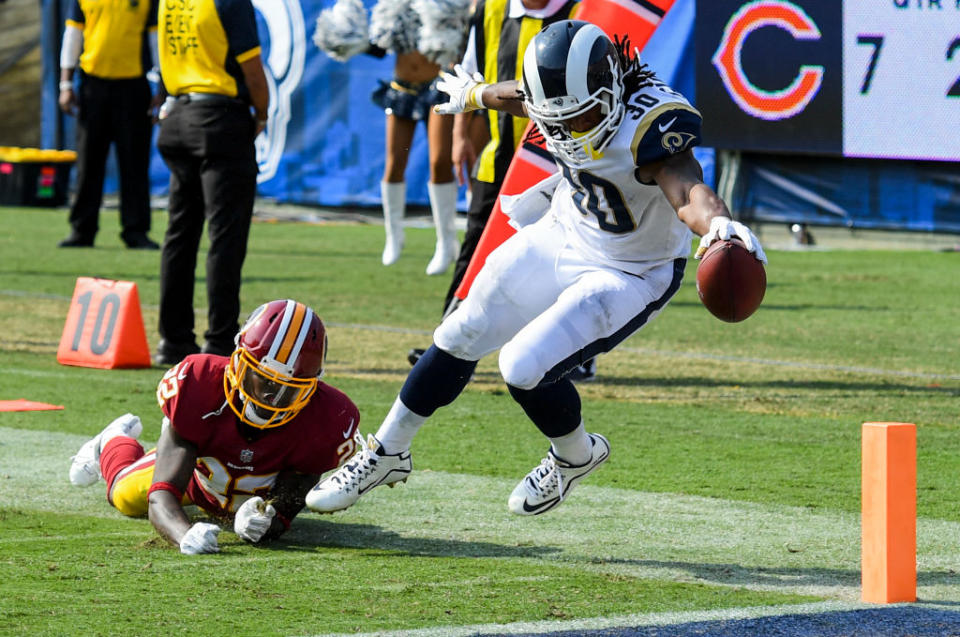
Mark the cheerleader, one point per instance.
(425, 36)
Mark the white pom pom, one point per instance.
(342, 30)
(394, 26)
(444, 29)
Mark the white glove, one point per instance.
(723, 228)
(200, 538)
(253, 519)
(464, 91)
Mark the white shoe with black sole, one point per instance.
(368, 468)
(553, 479)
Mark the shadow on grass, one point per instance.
(788, 578)
(737, 575)
(310, 534)
(72, 272)
(484, 377)
(699, 382)
(793, 307)
(350, 253)
(141, 277)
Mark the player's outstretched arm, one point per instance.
(469, 93)
(680, 177)
(505, 96)
(176, 459)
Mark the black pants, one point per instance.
(113, 112)
(483, 197)
(208, 147)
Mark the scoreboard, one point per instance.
(901, 84)
(854, 78)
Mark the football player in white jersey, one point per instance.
(601, 249)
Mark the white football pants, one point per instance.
(540, 302)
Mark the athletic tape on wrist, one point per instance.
(475, 96)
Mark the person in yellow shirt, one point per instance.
(217, 104)
(114, 44)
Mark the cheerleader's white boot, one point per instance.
(394, 198)
(443, 205)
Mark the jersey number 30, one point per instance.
(598, 197)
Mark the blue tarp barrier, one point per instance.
(863, 193)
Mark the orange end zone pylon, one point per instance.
(889, 512)
(104, 327)
(635, 19)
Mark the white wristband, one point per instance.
(66, 85)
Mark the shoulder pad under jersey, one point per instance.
(664, 123)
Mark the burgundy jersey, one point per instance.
(230, 468)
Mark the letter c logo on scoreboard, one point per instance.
(768, 105)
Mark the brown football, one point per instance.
(731, 281)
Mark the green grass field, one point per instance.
(733, 485)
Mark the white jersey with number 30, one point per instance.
(610, 216)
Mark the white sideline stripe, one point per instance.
(619, 621)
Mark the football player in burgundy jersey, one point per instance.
(243, 438)
(601, 248)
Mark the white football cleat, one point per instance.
(85, 466)
(553, 479)
(365, 470)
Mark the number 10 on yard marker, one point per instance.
(104, 327)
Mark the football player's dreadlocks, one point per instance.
(635, 74)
